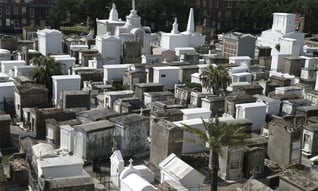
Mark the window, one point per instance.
(31, 12)
(32, 22)
(216, 4)
(229, 4)
(0, 11)
(23, 10)
(228, 14)
(0, 22)
(16, 10)
(204, 3)
(24, 22)
(16, 23)
(163, 75)
(8, 10)
(8, 22)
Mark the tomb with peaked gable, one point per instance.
(108, 25)
(188, 38)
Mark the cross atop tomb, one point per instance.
(130, 162)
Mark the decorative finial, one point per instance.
(175, 26)
(113, 14)
(130, 162)
(133, 5)
(190, 26)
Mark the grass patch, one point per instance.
(75, 30)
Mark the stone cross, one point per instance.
(130, 162)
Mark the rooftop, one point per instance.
(304, 180)
(251, 105)
(127, 119)
(95, 126)
(149, 85)
(96, 114)
(66, 77)
(60, 161)
(195, 111)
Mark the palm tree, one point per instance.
(46, 68)
(215, 78)
(217, 135)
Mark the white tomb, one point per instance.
(188, 176)
(316, 85)
(49, 41)
(114, 72)
(24, 70)
(108, 25)
(284, 26)
(8, 65)
(180, 51)
(67, 138)
(60, 166)
(188, 38)
(272, 105)
(194, 113)
(5, 54)
(4, 77)
(111, 96)
(256, 112)
(195, 78)
(64, 83)
(109, 47)
(290, 90)
(131, 179)
(166, 75)
(116, 167)
(134, 31)
(194, 144)
(242, 77)
(239, 69)
(292, 78)
(310, 62)
(239, 60)
(66, 61)
(283, 39)
(202, 67)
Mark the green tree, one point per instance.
(46, 68)
(215, 78)
(61, 10)
(218, 135)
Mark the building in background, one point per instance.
(222, 14)
(15, 14)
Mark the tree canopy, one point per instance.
(46, 68)
(215, 78)
(159, 14)
(217, 135)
